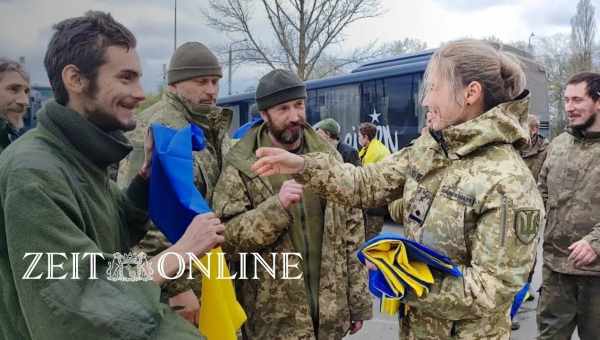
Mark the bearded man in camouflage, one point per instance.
(275, 215)
(570, 185)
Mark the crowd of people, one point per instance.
(479, 185)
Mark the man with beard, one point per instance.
(570, 185)
(63, 221)
(14, 100)
(193, 78)
(275, 215)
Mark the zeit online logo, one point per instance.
(138, 267)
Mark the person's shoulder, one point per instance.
(34, 158)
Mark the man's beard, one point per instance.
(583, 127)
(100, 116)
(286, 135)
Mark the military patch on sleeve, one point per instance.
(527, 224)
(419, 205)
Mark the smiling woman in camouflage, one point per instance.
(466, 190)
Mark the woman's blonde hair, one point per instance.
(464, 61)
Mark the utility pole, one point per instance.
(175, 29)
(529, 46)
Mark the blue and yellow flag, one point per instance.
(401, 264)
(174, 202)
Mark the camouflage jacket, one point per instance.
(172, 112)
(257, 222)
(570, 185)
(535, 154)
(467, 193)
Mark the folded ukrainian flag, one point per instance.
(401, 264)
(174, 201)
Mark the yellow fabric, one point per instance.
(221, 315)
(391, 258)
(374, 152)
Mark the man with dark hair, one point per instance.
(570, 185)
(14, 100)
(191, 97)
(274, 215)
(63, 222)
(329, 129)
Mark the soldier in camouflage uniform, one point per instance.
(467, 192)
(570, 185)
(535, 153)
(193, 77)
(274, 215)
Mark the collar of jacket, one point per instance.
(505, 123)
(242, 155)
(5, 130)
(102, 148)
(538, 144)
(593, 137)
(213, 119)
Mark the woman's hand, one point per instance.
(273, 161)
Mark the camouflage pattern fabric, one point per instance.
(570, 185)
(257, 222)
(173, 112)
(535, 154)
(467, 193)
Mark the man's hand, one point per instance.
(203, 234)
(355, 326)
(582, 253)
(186, 304)
(273, 161)
(290, 193)
(148, 148)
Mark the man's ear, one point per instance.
(263, 115)
(72, 79)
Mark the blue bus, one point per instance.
(37, 97)
(385, 92)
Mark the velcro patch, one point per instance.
(527, 224)
(458, 196)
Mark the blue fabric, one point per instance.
(416, 252)
(174, 200)
(518, 301)
(242, 130)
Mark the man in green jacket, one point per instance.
(63, 223)
(191, 97)
(274, 215)
(570, 186)
(14, 100)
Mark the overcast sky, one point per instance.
(26, 25)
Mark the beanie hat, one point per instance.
(192, 60)
(329, 125)
(278, 86)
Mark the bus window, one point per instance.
(340, 103)
(400, 117)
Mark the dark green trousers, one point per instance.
(566, 302)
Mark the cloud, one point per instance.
(470, 5)
(25, 27)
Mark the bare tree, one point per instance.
(553, 52)
(583, 31)
(402, 46)
(300, 31)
